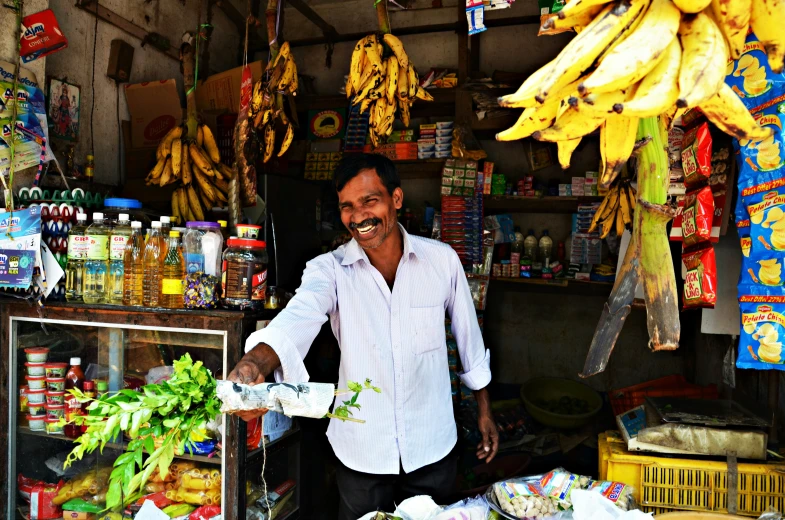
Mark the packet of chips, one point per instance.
(751, 78)
(700, 283)
(696, 156)
(762, 328)
(697, 216)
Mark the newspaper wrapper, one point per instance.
(302, 399)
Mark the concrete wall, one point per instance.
(167, 17)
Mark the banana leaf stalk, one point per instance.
(648, 259)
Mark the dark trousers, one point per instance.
(362, 493)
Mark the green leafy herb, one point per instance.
(159, 420)
(343, 412)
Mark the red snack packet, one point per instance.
(41, 506)
(205, 513)
(159, 499)
(697, 217)
(696, 156)
(700, 284)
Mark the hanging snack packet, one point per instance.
(751, 78)
(762, 328)
(700, 284)
(697, 216)
(696, 156)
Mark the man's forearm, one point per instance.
(265, 358)
(483, 401)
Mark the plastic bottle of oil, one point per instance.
(77, 253)
(117, 243)
(133, 267)
(96, 266)
(151, 286)
(173, 275)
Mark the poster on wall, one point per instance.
(64, 104)
(326, 124)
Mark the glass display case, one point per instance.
(117, 348)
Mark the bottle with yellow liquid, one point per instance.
(153, 263)
(133, 267)
(173, 274)
(117, 242)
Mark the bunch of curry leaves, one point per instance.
(343, 412)
(159, 421)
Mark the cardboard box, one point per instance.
(155, 109)
(222, 91)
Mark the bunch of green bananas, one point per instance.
(383, 84)
(197, 165)
(616, 209)
(634, 59)
(267, 101)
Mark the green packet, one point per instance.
(81, 506)
(550, 6)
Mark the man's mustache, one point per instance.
(367, 222)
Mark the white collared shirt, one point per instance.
(396, 339)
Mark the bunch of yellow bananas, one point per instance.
(197, 165)
(267, 101)
(633, 59)
(616, 209)
(383, 84)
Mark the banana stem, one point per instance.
(271, 16)
(189, 64)
(383, 16)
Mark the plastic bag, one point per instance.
(588, 505)
(560, 483)
(621, 495)
(524, 499)
(469, 509)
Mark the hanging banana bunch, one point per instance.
(382, 80)
(267, 108)
(616, 209)
(633, 59)
(197, 166)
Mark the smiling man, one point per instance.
(385, 293)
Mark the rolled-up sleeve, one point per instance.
(475, 358)
(291, 333)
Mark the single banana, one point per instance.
(227, 171)
(290, 71)
(365, 105)
(524, 96)
(531, 120)
(167, 174)
(403, 82)
(221, 197)
(204, 185)
(565, 149)
(176, 204)
(354, 69)
(625, 210)
(392, 78)
(571, 125)
(372, 52)
(766, 20)
(256, 97)
(157, 170)
(603, 103)
(703, 60)
(210, 146)
(692, 6)
(617, 140)
(376, 81)
(403, 105)
(423, 94)
(284, 51)
(659, 90)
(576, 7)
(201, 162)
(177, 159)
(194, 204)
(165, 146)
(727, 111)
(619, 221)
(287, 139)
(222, 186)
(580, 19)
(631, 197)
(396, 46)
(185, 164)
(207, 203)
(185, 209)
(733, 18)
(413, 81)
(200, 136)
(583, 50)
(639, 53)
(269, 141)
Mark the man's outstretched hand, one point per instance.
(249, 371)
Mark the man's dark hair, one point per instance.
(352, 164)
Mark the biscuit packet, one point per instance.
(762, 328)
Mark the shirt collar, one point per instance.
(354, 252)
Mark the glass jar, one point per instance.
(203, 245)
(114, 206)
(244, 274)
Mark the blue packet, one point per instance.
(752, 79)
(762, 328)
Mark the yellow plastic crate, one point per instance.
(664, 484)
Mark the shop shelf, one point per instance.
(285, 440)
(216, 459)
(558, 285)
(663, 484)
(495, 204)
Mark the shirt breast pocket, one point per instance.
(428, 329)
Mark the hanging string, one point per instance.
(264, 465)
(201, 34)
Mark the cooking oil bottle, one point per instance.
(173, 275)
(78, 244)
(96, 266)
(133, 267)
(151, 286)
(117, 242)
